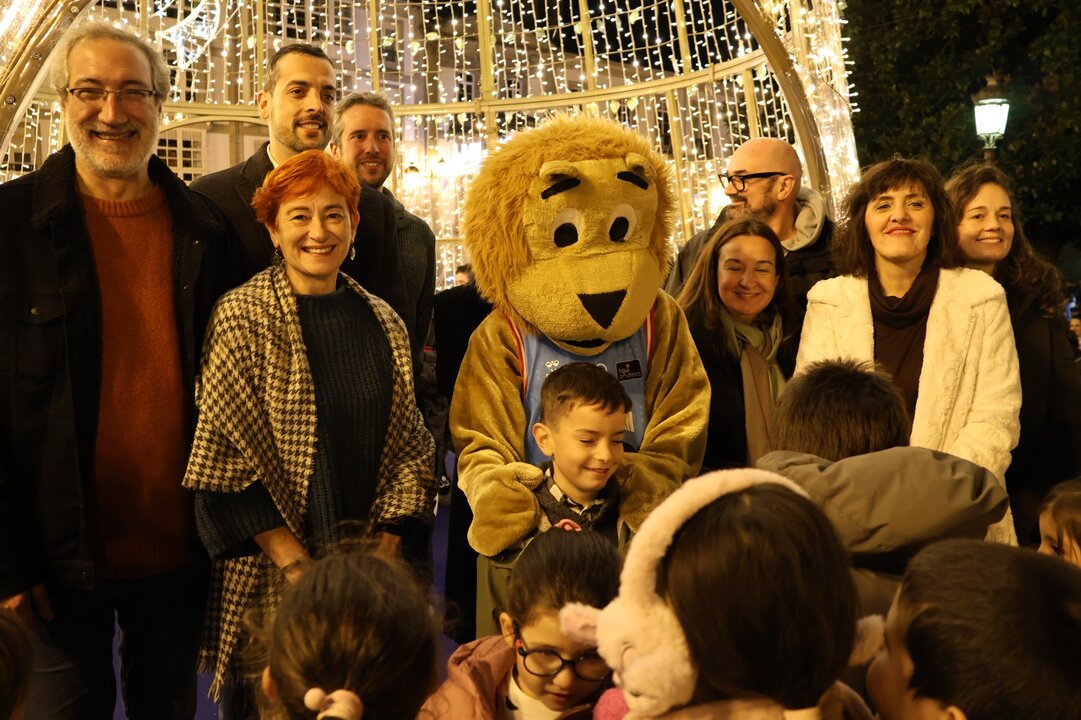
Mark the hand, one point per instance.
(24, 603)
(567, 524)
(388, 546)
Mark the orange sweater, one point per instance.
(142, 522)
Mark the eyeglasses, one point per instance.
(128, 96)
(589, 666)
(740, 181)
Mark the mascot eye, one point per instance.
(618, 231)
(568, 225)
(566, 234)
(622, 223)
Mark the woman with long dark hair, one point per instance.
(740, 318)
(992, 239)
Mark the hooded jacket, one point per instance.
(887, 505)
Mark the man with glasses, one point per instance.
(763, 182)
(298, 103)
(111, 268)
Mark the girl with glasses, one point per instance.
(533, 671)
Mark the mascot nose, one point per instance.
(602, 307)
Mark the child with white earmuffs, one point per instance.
(735, 602)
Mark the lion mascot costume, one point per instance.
(567, 227)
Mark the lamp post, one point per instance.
(992, 109)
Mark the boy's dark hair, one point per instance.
(581, 383)
(853, 253)
(16, 662)
(1063, 501)
(359, 623)
(559, 567)
(840, 408)
(760, 583)
(994, 630)
(295, 48)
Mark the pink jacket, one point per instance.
(477, 674)
(476, 683)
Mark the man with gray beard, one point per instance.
(111, 269)
(763, 182)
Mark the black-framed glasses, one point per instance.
(740, 181)
(588, 666)
(126, 96)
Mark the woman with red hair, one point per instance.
(306, 414)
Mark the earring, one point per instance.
(278, 254)
(353, 251)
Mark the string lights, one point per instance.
(688, 74)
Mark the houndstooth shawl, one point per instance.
(257, 422)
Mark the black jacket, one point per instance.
(1049, 450)
(50, 358)
(377, 266)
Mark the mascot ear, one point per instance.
(579, 621)
(640, 166)
(558, 170)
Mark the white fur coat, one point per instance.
(970, 390)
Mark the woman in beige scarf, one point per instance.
(741, 320)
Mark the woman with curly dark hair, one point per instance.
(902, 301)
(992, 239)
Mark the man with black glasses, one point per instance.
(763, 182)
(111, 267)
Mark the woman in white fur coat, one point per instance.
(902, 301)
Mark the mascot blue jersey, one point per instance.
(627, 359)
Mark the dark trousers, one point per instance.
(160, 621)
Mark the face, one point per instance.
(757, 199)
(1049, 541)
(564, 690)
(890, 672)
(367, 144)
(112, 139)
(586, 447)
(314, 234)
(899, 223)
(986, 229)
(461, 279)
(1075, 326)
(746, 276)
(299, 108)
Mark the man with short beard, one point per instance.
(297, 102)
(363, 141)
(111, 268)
(763, 182)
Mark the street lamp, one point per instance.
(991, 108)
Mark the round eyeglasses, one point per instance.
(740, 181)
(588, 666)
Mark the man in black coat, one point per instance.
(111, 267)
(297, 104)
(763, 181)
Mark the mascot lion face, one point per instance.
(567, 227)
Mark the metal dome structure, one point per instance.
(698, 77)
